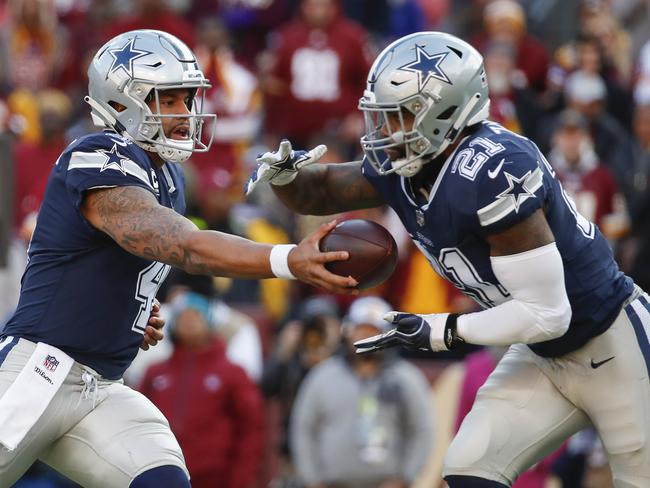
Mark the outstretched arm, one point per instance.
(139, 224)
(324, 189)
(309, 188)
(528, 264)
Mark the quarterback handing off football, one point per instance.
(373, 252)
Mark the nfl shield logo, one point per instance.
(50, 363)
(419, 217)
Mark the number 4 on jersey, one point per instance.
(149, 280)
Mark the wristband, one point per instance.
(279, 259)
(452, 339)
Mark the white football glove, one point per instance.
(281, 167)
(433, 332)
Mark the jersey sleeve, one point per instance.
(510, 189)
(101, 163)
(501, 192)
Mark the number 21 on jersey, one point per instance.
(453, 265)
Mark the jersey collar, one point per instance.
(439, 178)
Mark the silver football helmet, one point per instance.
(132, 69)
(437, 78)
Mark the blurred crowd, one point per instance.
(574, 76)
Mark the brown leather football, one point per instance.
(373, 252)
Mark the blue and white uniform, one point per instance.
(539, 394)
(494, 180)
(81, 291)
(86, 296)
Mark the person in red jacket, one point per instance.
(214, 410)
(317, 70)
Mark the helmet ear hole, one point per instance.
(447, 113)
(118, 107)
(150, 96)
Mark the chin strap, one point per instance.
(409, 169)
(453, 131)
(104, 117)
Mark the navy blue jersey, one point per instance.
(81, 292)
(493, 180)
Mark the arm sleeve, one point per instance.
(539, 309)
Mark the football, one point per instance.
(373, 251)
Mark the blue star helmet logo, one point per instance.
(124, 56)
(114, 160)
(427, 66)
(518, 189)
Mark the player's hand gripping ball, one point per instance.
(372, 249)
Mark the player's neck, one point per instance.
(156, 159)
(422, 183)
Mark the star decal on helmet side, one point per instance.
(124, 56)
(427, 66)
(114, 160)
(517, 189)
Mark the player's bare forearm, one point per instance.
(139, 224)
(324, 189)
(531, 233)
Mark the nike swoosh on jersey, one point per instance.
(493, 173)
(598, 364)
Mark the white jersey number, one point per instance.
(315, 74)
(149, 280)
(457, 268)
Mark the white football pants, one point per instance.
(103, 439)
(529, 405)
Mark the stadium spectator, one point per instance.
(32, 46)
(505, 21)
(513, 103)
(587, 54)
(318, 69)
(586, 93)
(34, 160)
(237, 101)
(597, 20)
(362, 422)
(591, 184)
(151, 14)
(385, 19)
(214, 410)
(301, 344)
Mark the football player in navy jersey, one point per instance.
(484, 206)
(109, 229)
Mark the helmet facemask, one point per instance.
(151, 133)
(416, 147)
(381, 119)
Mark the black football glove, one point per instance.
(433, 332)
